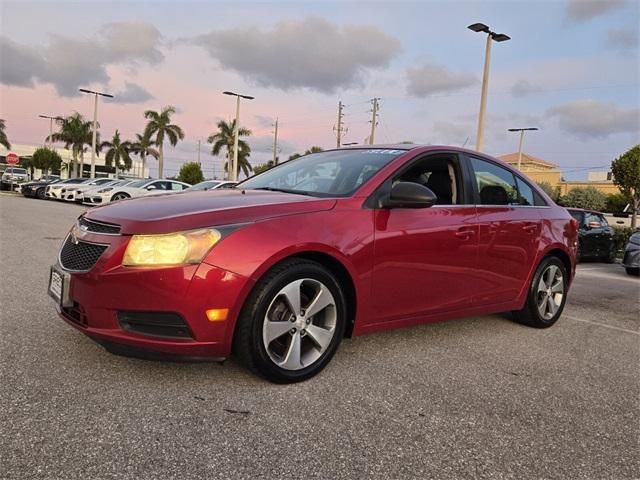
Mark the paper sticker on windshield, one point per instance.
(384, 151)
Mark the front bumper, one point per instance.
(108, 289)
(631, 257)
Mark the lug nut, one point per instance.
(292, 331)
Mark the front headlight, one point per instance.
(170, 249)
(105, 190)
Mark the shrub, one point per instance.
(553, 192)
(589, 198)
(621, 236)
(191, 173)
(615, 203)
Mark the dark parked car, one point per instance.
(631, 260)
(36, 189)
(595, 236)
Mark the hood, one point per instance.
(191, 210)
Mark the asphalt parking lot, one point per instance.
(474, 398)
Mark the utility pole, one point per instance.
(199, 153)
(339, 129)
(374, 120)
(275, 143)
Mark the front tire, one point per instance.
(40, 194)
(547, 295)
(611, 256)
(292, 323)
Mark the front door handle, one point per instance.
(530, 227)
(465, 233)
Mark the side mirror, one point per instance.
(594, 225)
(151, 187)
(409, 195)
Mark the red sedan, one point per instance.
(333, 244)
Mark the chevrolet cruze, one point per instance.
(339, 243)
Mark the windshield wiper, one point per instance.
(285, 190)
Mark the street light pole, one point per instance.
(521, 130)
(497, 37)
(234, 164)
(95, 127)
(51, 119)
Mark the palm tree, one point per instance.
(4, 141)
(143, 148)
(118, 153)
(224, 138)
(160, 125)
(243, 159)
(75, 133)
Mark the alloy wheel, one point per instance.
(300, 324)
(550, 292)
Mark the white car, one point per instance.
(70, 192)
(138, 188)
(211, 185)
(85, 193)
(53, 191)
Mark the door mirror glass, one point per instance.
(409, 195)
(594, 225)
(152, 187)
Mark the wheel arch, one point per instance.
(335, 265)
(563, 256)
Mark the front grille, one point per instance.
(155, 324)
(99, 227)
(81, 256)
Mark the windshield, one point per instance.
(18, 171)
(336, 173)
(203, 185)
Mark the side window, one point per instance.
(603, 221)
(496, 185)
(177, 187)
(526, 193)
(227, 185)
(439, 174)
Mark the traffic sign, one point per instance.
(12, 158)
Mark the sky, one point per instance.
(571, 68)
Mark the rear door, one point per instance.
(425, 258)
(509, 231)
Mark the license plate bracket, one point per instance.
(60, 286)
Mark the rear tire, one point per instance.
(285, 336)
(633, 271)
(547, 295)
(119, 196)
(611, 257)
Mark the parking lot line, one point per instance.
(593, 273)
(601, 324)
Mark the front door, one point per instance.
(425, 259)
